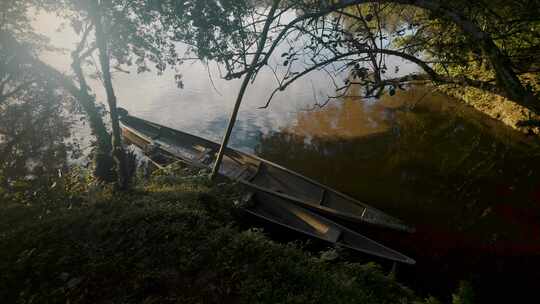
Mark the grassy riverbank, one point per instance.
(497, 107)
(174, 239)
(500, 108)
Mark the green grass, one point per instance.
(173, 240)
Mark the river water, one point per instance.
(470, 184)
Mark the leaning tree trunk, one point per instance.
(118, 153)
(102, 156)
(506, 78)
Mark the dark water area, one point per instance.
(469, 184)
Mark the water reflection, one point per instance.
(470, 184)
(205, 103)
(419, 155)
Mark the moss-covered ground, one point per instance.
(173, 239)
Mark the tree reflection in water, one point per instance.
(469, 183)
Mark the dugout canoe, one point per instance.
(254, 172)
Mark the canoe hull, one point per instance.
(256, 173)
(281, 212)
(270, 207)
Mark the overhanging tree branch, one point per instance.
(507, 80)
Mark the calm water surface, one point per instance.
(469, 184)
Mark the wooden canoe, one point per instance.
(267, 205)
(256, 173)
(278, 211)
(281, 212)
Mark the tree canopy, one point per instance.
(443, 39)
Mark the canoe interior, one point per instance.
(259, 173)
(281, 212)
(281, 181)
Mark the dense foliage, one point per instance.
(175, 240)
(514, 28)
(357, 36)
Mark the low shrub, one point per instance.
(168, 241)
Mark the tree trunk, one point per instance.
(118, 153)
(506, 77)
(102, 156)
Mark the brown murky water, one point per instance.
(470, 184)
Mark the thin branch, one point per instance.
(283, 86)
(211, 79)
